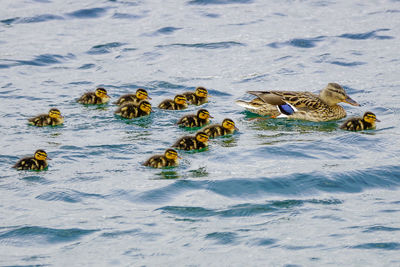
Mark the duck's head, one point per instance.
(40, 155)
(201, 137)
(145, 106)
(180, 99)
(333, 93)
(171, 154)
(229, 124)
(55, 113)
(201, 92)
(102, 93)
(142, 94)
(370, 117)
(203, 114)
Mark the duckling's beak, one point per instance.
(377, 120)
(47, 158)
(350, 101)
(149, 98)
(211, 117)
(236, 128)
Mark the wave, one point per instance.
(215, 45)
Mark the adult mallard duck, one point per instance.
(141, 94)
(195, 120)
(94, 98)
(130, 110)
(357, 124)
(52, 119)
(199, 141)
(36, 163)
(169, 159)
(198, 97)
(227, 127)
(300, 105)
(178, 103)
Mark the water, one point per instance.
(278, 193)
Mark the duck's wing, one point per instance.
(297, 100)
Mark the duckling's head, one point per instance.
(145, 106)
(201, 137)
(101, 92)
(55, 113)
(171, 154)
(229, 124)
(203, 114)
(142, 94)
(40, 155)
(180, 99)
(201, 92)
(333, 93)
(370, 117)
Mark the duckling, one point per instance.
(199, 141)
(98, 97)
(215, 130)
(178, 103)
(300, 105)
(52, 119)
(130, 110)
(198, 97)
(141, 94)
(169, 159)
(195, 120)
(357, 124)
(36, 163)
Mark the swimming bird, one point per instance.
(178, 103)
(300, 105)
(357, 124)
(53, 118)
(195, 120)
(98, 97)
(36, 163)
(130, 110)
(141, 94)
(215, 130)
(169, 159)
(198, 97)
(199, 141)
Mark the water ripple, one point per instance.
(383, 245)
(39, 61)
(298, 42)
(104, 48)
(34, 19)
(71, 196)
(215, 45)
(218, 2)
(88, 13)
(367, 35)
(28, 235)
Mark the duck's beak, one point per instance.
(350, 101)
(377, 120)
(236, 128)
(211, 117)
(148, 97)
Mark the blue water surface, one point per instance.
(277, 193)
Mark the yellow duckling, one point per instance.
(300, 105)
(141, 94)
(52, 119)
(199, 141)
(215, 130)
(195, 120)
(178, 103)
(98, 97)
(198, 97)
(36, 163)
(169, 159)
(130, 110)
(357, 124)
